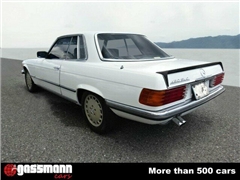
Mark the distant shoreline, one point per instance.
(155, 43)
(159, 46)
(229, 58)
(209, 42)
(198, 48)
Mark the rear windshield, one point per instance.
(128, 47)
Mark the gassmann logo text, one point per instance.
(40, 168)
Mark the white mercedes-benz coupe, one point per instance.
(123, 74)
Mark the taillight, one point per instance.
(158, 98)
(218, 79)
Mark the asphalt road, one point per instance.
(43, 127)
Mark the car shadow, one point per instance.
(69, 113)
(131, 135)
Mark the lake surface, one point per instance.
(229, 57)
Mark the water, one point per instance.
(21, 53)
(229, 58)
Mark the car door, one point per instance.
(72, 66)
(49, 69)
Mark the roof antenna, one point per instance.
(121, 67)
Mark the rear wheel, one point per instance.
(31, 86)
(97, 114)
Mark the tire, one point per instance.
(99, 117)
(31, 86)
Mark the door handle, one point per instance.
(57, 68)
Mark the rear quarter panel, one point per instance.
(109, 81)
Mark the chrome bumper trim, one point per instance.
(166, 113)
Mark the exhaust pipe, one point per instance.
(179, 120)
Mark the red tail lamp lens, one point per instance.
(158, 98)
(218, 79)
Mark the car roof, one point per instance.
(97, 32)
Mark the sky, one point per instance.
(38, 24)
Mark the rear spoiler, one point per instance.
(165, 73)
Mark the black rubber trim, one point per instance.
(165, 113)
(69, 89)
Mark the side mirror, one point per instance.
(42, 54)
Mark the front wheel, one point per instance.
(97, 114)
(31, 86)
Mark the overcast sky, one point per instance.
(37, 24)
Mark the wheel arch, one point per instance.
(25, 67)
(87, 88)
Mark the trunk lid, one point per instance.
(177, 71)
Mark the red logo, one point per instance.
(62, 176)
(10, 170)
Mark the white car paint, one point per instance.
(120, 82)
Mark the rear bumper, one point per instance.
(166, 113)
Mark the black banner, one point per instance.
(71, 171)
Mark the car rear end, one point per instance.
(159, 87)
(187, 88)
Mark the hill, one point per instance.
(217, 42)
